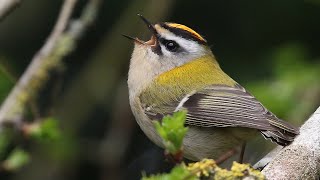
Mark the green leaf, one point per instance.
(16, 160)
(172, 131)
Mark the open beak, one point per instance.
(154, 38)
(150, 26)
(135, 39)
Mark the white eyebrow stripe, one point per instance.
(190, 46)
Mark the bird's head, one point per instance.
(171, 46)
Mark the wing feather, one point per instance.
(219, 105)
(226, 106)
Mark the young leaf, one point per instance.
(172, 131)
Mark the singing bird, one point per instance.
(176, 70)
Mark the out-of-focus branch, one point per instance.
(59, 44)
(37, 72)
(301, 159)
(57, 31)
(7, 6)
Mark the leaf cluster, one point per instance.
(172, 131)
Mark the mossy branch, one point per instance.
(61, 42)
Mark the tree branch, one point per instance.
(37, 72)
(58, 29)
(7, 6)
(301, 159)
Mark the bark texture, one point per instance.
(301, 159)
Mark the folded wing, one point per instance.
(225, 106)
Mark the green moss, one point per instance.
(238, 171)
(178, 172)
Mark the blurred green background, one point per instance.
(270, 47)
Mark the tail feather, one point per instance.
(281, 138)
(282, 125)
(283, 133)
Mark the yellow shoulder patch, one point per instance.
(186, 28)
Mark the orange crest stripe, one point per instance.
(186, 28)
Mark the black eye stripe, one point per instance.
(169, 44)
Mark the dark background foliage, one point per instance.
(270, 47)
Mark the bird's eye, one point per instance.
(171, 45)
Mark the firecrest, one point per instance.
(176, 70)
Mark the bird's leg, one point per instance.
(226, 156)
(230, 153)
(243, 148)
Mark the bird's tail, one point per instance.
(280, 136)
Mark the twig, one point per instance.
(58, 29)
(37, 72)
(7, 6)
(301, 159)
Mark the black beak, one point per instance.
(154, 38)
(129, 37)
(155, 47)
(134, 39)
(150, 26)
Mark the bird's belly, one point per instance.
(201, 142)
